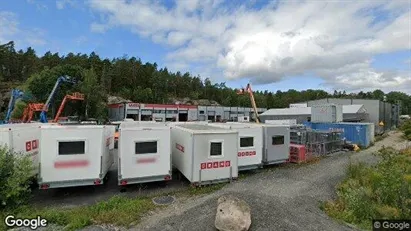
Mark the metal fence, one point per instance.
(317, 142)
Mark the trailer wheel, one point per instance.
(123, 189)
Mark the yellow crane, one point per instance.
(253, 104)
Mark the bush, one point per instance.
(15, 176)
(406, 128)
(375, 192)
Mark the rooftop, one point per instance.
(200, 127)
(347, 109)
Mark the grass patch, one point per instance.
(378, 192)
(118, 210)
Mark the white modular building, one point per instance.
(74, 155)
(22, 139)
(250, 144)
(205, 154)
(144, 153)
(276, 142)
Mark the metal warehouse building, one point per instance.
(174, 112)
(377, 111)
(351, 113)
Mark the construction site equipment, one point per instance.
(74, 96)
(253, 104)
(298, 153)
(29, 111)
(276, 142)
(205, 154)
(324, 142)
(250, 149)
(60, 80)
(74, 155)
(14, 96)
(22, 139)
(144, 153)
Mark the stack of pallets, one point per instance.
(297, 153)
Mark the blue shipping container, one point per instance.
(357, 133)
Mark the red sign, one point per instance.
(71, 164)
(203, 165)
(133, 105)
(215, 164)
(146, 160)
(246, 153)
(180, 147)
(32, 145)
(28, 146)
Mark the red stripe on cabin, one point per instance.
(175, 106)
(118, 105)
(71, 164)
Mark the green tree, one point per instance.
(95, 100)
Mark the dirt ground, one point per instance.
(280, 198)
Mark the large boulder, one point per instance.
(233, 214)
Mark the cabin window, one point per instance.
(216, 148)
(277, 140)
(149, 147)
(201, 112)
(246, 142)
(72, 147)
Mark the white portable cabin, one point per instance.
(144, 153)
(243, 119)
(74, 155)
(24, 139)
(276, 142)
(250, 144)
(205, 154)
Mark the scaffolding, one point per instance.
(317, 143)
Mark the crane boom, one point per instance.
(60, 80)
(15, 95)
(74, 96)
(253, 104)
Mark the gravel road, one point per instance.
(280, 198)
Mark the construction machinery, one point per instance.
(30, 110)
(74, 96)
(253, 104)
(60, 80)
(15, 95)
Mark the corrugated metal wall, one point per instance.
(357, 133)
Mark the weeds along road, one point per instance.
(280, 198)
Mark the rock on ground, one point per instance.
(233, 214)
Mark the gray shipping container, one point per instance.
(326, 113)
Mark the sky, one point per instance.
(274, 45)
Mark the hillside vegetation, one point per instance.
(375, 192)
(132, 79)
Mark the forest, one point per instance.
(132, 79)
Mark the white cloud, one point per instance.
(10, 30)
(334, 40)
(61, 4)
(8, 26)
(39, 4)
(81, 40)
